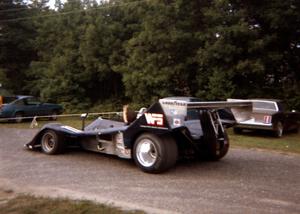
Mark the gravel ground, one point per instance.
(245, 181)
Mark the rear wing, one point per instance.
(176, 111)
(205, 105)
(241, 114)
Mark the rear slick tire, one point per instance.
(155, 154)
(216, 145)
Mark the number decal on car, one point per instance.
(267, 119)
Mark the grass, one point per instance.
(289, 142)
(25, 204)
(263, 140)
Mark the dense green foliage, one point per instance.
(84, 53)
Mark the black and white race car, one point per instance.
(155, 139)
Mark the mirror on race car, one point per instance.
(83, 117)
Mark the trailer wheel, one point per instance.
(52, 143)
(155, 154)
(216, 145)
(296, 130)
(278, 130)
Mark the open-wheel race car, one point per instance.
(155, 139)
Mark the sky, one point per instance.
(52, 2)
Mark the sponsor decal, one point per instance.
(175, 103)
(176, 122)
(267, 119)
(154, 119)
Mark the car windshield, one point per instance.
(19, 103)
(264, 105)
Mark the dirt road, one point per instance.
(245, 181)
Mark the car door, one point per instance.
(33, 107)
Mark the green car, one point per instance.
(20, 107)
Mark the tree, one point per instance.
(15, 42)
(85, 52)
(56, 75)
(161, 57)
(231, 53)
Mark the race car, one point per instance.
(155, 138)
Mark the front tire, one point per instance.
(52, 143)
(19, 117)
(54, 115)
(153, 154)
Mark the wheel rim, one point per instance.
(279, 129)
(48, 142)
(146, 153)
